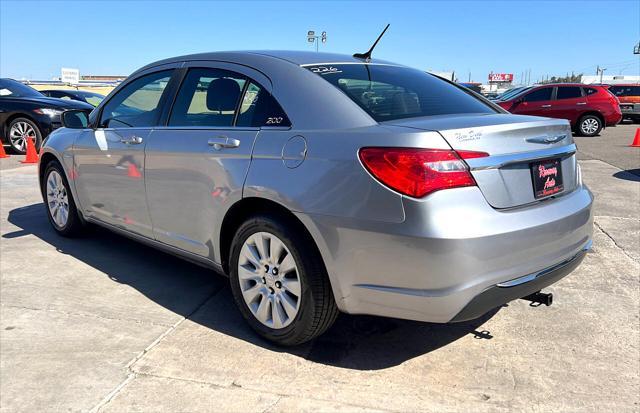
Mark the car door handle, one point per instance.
(581, 103)
(131, 140)
(546, 106)
(223, 142)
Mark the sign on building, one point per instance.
(501, 77)
(71, 76)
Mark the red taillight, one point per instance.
(418, 172)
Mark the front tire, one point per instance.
(61, 208)
(589, 125)
(279, 282)
(19, 130)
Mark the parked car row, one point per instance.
(26, 113)
(588, 108)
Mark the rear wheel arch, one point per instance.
(248, 207)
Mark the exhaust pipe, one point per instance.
(540, 298)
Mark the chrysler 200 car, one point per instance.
(322, 183)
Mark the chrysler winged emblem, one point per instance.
(546, 139)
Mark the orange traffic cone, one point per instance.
(32, 154)
(636, 140)
(3, 154)
(133, 171)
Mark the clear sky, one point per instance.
(116, 37)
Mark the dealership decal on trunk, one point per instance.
(547, 178)
(469, 136)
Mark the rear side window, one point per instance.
(625, 90)
(590, 91)
(137, 104)
(392, 92)
(538, 95)
(207, 97)
(568, 92)
(259, 108)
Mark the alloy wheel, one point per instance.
(590, 126)
(269, 280)
(19, 133)
(57, 199)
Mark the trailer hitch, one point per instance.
(539, 298)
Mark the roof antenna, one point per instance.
(367, 56)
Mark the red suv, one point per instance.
(588, 108)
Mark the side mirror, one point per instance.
(75, 119)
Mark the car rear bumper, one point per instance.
(613, 119)
(630, 110)
(451, 248)
(502, 293)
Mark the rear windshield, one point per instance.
(392, 92)
(625, 90)
(513, 93)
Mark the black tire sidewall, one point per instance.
(73, 222)
(290, 334)
(35, 127)
(583, 119)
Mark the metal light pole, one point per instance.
(312, 38)
(601, 70)
(636, 50)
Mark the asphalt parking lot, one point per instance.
(106, 324)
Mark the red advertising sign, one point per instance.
(500, 77)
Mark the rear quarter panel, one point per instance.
(331, 182)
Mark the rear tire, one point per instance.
(61, 207)
(264, 243)
(589, 125)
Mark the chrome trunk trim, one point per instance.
(498, 161)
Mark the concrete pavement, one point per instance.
(106, 324)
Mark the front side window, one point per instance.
(569, 92)
(539, 95)
(138, 103)
(207, 97)
(393, 92)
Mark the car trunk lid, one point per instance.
(516, 145)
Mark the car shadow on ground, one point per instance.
(355, 342)
(629, 175)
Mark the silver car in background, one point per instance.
(322, 183)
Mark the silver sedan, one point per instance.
(322, 183)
